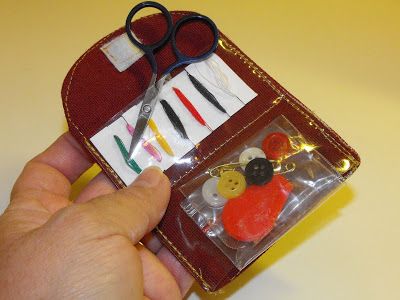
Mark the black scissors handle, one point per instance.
(172, 30)
(183, 59)
(149, 49)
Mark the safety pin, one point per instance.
(218, 170)
(279, 168)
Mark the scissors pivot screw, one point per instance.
(146, 108)
(152, 92)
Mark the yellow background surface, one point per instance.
(341, 58)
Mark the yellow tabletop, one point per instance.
(341, 58)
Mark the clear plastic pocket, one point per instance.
(191, 106)
(256, 193)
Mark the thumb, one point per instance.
(132, 211)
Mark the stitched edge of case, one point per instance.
(282, 94)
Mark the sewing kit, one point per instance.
(246, 159)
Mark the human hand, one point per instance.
(51, 248)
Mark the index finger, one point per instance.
(55, 169)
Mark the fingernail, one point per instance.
(150, 177)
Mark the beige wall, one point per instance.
(341, 59)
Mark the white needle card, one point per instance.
(231, 92)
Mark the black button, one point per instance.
(259, 171)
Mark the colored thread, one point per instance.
(130, 162)
(189, 106)
(145, 144)
(206, 93)
(173, 117)
(220, 78)
(160, 138)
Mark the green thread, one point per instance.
(130, 162)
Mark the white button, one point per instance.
(250, 154)
(210, 193)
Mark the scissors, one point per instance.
(151, 95)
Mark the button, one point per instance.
(252, 215)
(276, 145)
(210, 193)
(250, 154)
(259, 171)
(231, 184)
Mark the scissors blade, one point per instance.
(145, 113)
(140, 127)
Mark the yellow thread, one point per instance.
(160, 138)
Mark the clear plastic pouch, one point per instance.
(243, 219)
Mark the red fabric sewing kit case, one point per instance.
(94, 92)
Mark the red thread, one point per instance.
(185, 101)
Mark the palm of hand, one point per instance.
(51, 248)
